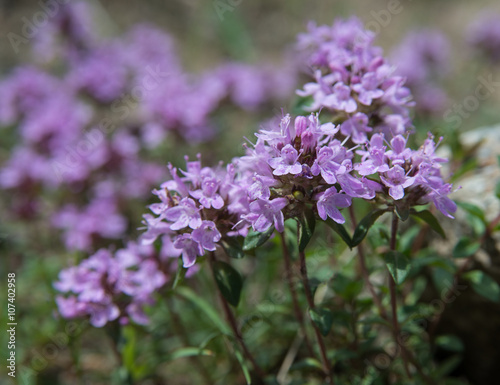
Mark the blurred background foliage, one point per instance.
(52, 351)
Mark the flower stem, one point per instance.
(305, 281)
(234, 326)
(394, 304)
(295, 301)
(364, 270)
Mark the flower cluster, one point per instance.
(197, 210)
(353, 81)
(294, 165)
(109, 286)
(297, 165)
(423, 58)
(484, 35)
(410, 176)
(88, 107)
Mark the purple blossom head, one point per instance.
(484, 35)
(422, 56)
(350, 75)
(106, 286)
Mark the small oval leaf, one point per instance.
(341, 231)
(398, 265)
(450, 342)
(255, 239)
(323, 318)
(307, 224)
(431, 220)
(233, 247)
(484, 285)
(364, 225)
(465, 247)
(229, 282)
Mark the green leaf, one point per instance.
(341, 231)
(232, 247)
(229, 282)
(431, 220)
(442, 278)
(255, 239)
(364, 225)
(244, 367)
(497, 190)
(323, 319)
(307, 224)
(129, 341)
(473, 210)
(307, 363)
(190, 352)
(484, 285)
(205, 307)
(402, 210)
(408, 237)
(181, 273)
(398, 265)
(465, 247)
(450, 342)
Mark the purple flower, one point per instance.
(260, 188)
(341, 99)
(356, 127)
(444, 204)
(287, 162)
(374, 160)
(397, 180)
(358, 188)
(136, 312)
(484, 35)
(328, 163)
(100, 314)
(207, 235)
(421, 56)
(329, 203)
(190, 249)
(100, 218)
(368, 88)
(208, 196)
(105, 283)
(264, 213)
(183, 215)
(398, 154)
(70, 307)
